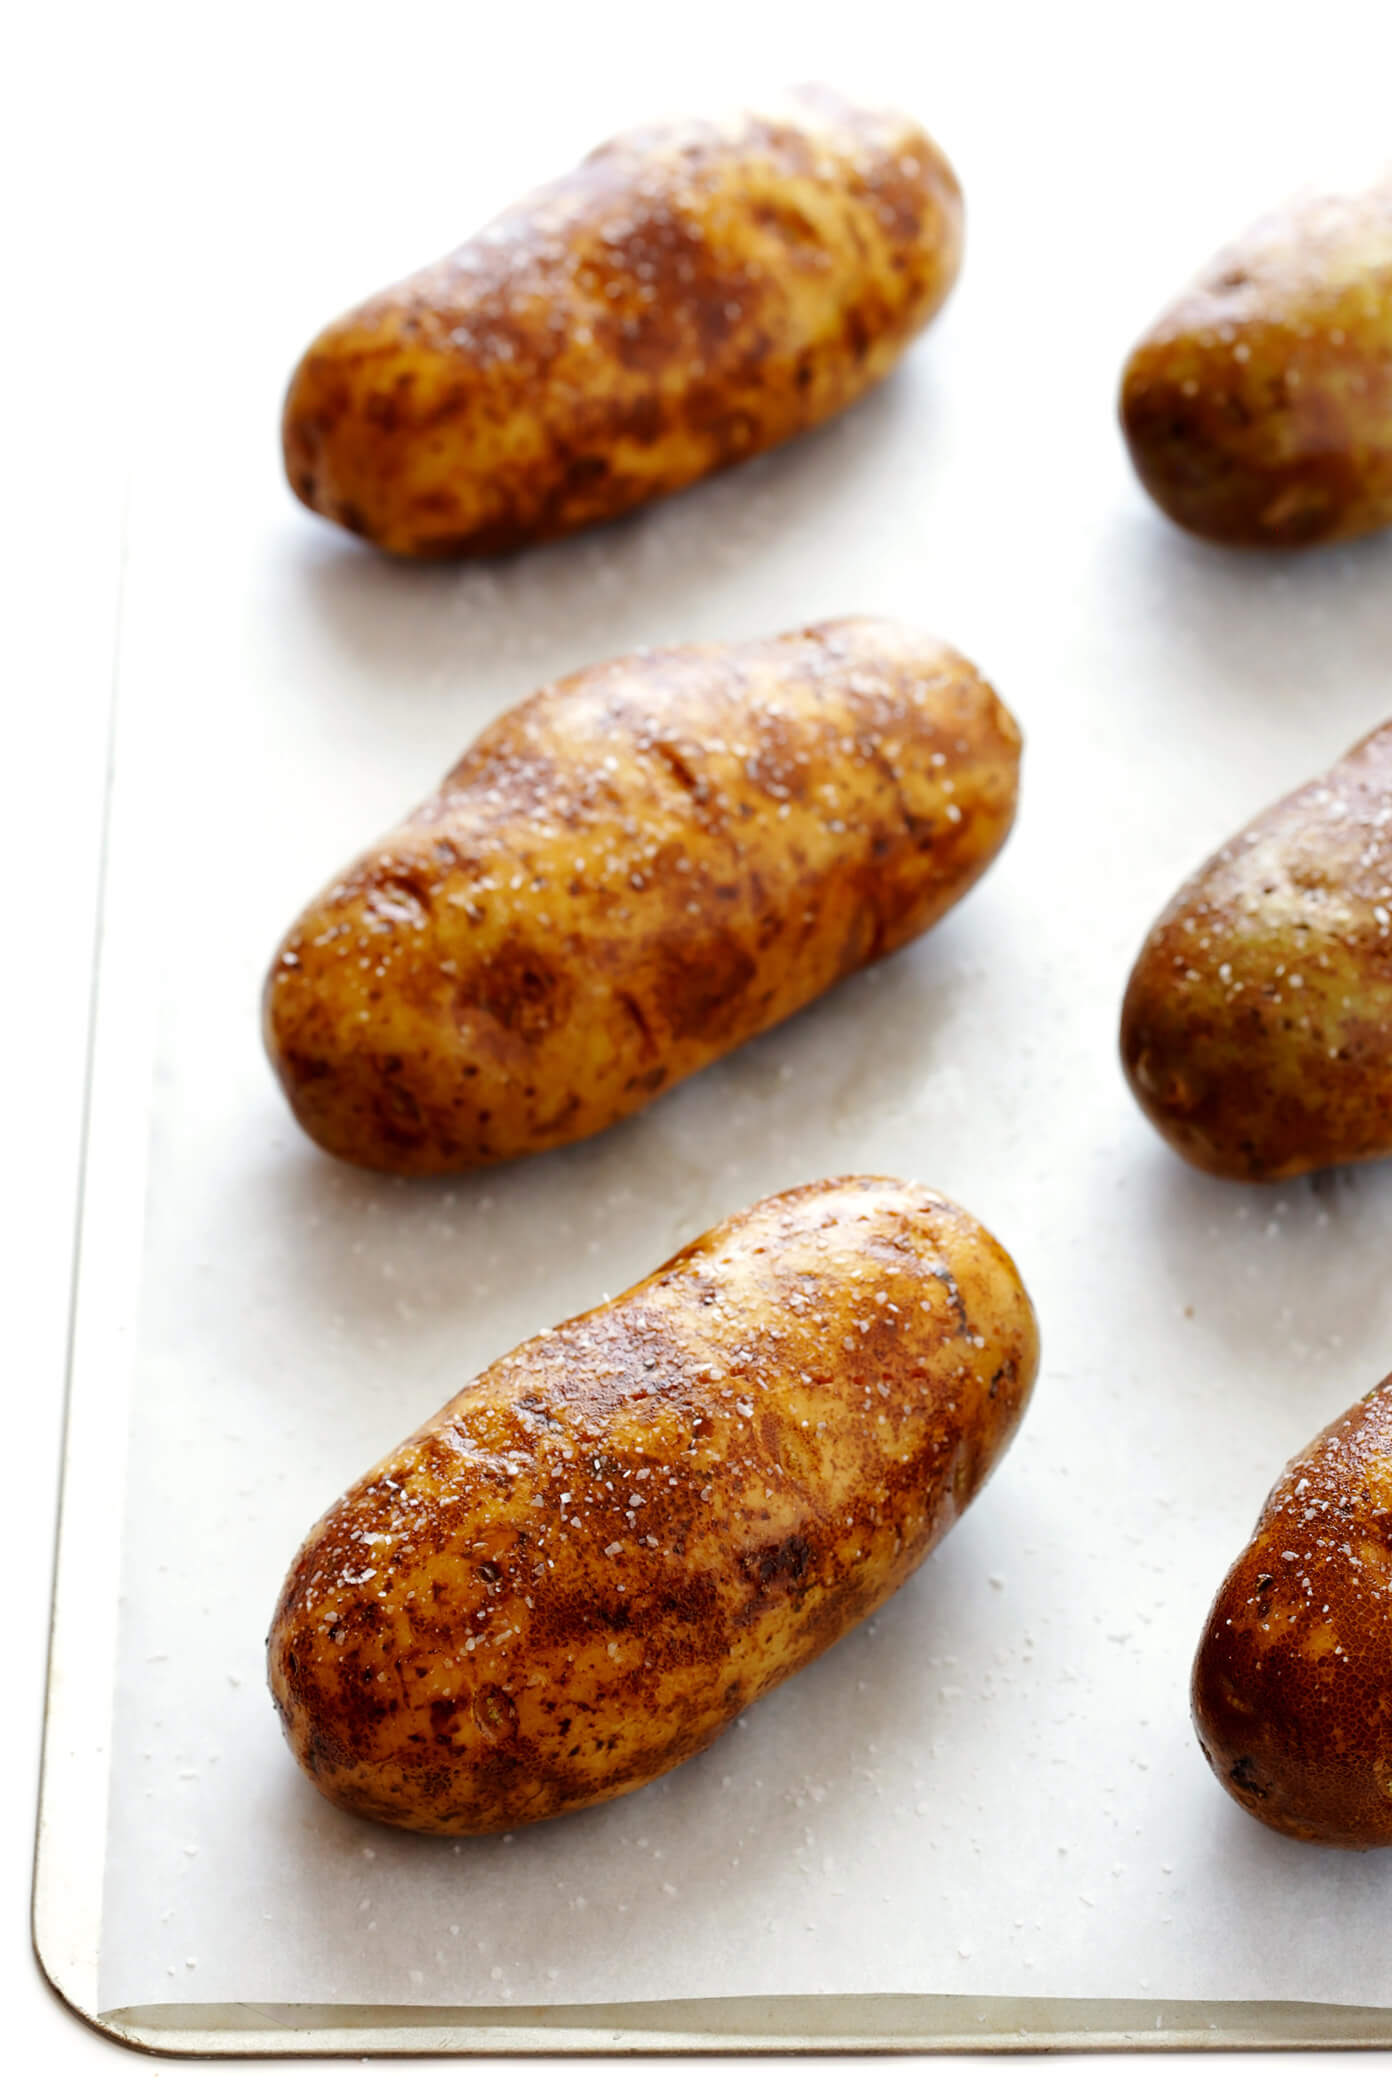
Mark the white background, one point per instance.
(126, 139)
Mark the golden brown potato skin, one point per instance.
(1257, 1027)
(628, 875)
(1293, 1680)
(632, 1527)
(1258, 410)
(690, 295)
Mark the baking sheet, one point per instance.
(992, 1789)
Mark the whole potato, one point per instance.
(1257, 1026)
(691, 294)
(628, 875)
(630, 1528)
(1293, 1680)
(1258, 410)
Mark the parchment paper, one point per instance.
(993, 1788)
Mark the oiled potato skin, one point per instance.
(1258, 410)
(690, 295)
(627, 1530)
(1257, 1026)
(1293, 1680)
(626, 876)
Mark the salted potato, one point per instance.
(1257, 1025)
(618, 1537)
(1258, 410)
(1293, 1680)
(691, 294)
(626, 876)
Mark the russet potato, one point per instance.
(691, 294)
(618, 1537)
(1258, 410)
(628, 875)
(1293, 1680)
(1257, 1025)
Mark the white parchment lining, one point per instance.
(993, 1788)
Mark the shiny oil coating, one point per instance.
(1293, 1680)
(627, 1530)
(628, 875)
(1258, 410)
(1257, 1026)
(690, 295)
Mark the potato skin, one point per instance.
(626, 876)
(691, 294)
(1293, 1680)
(630, 1528)
(1258, 410)
(1256, 1031)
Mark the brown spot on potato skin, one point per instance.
(1256, 1030)
(1292, 1685)
(517, 988)
(628, 875)
(701, 991)
(688, 1494)
(690, 295)
(1258, 410)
